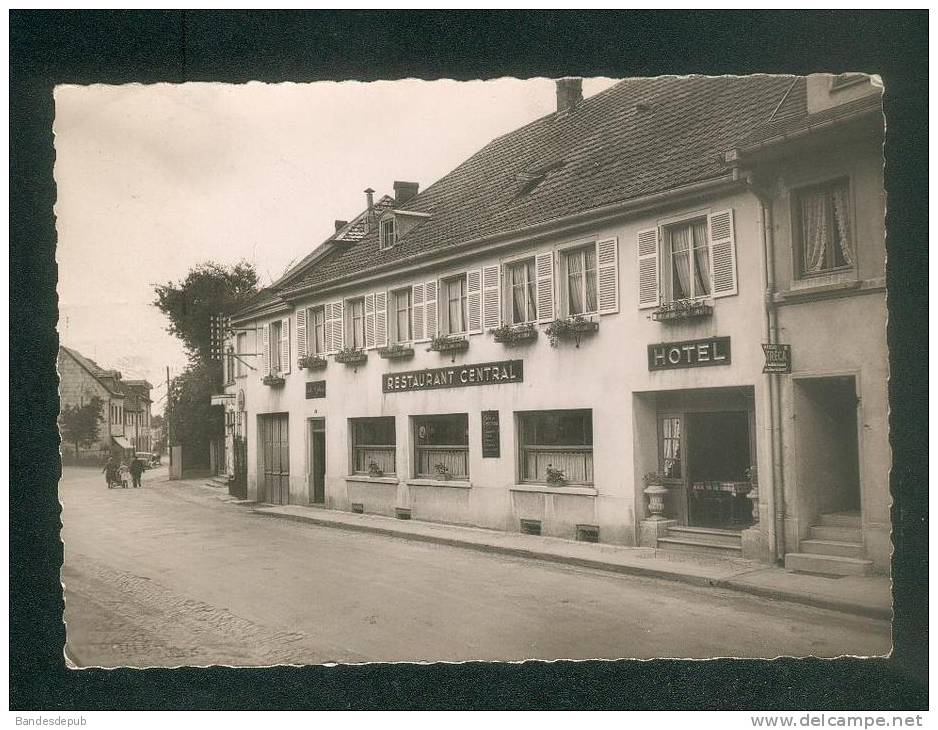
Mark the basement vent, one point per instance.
(401, 513)
(358, 508)
(531, 527)
(587, 533)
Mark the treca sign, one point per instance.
(461, 376)
(689, 354)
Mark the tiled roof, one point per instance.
(111, 384)
(641, 136)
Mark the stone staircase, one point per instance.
(727, 543)
(834, 547)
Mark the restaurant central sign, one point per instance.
(689, 354)
(459, 376)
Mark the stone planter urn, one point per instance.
(656, 494)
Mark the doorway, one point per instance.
(275, 443)
(316, 476)
(718, 461)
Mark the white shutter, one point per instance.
(430, 309)
(607, 262)
(417, 316)
(369, 322)
(326, 329)
(722, 253)
(544, 268)
(265, 350)
(381, 319)
(285, 345)
(338, 325)
(474, 301)
(491, 294)
(301, 333)
(649, 288)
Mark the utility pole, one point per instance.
(169, 442)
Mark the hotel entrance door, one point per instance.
(719, 454)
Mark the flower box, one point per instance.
(514, 334)
(351, 356)
(682, 309)
(274, 380)
(396, 352)
(570, 329)
(312, 362)
(446, 343)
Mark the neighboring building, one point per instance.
(137, 414)
(640, 228)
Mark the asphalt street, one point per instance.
(171, 575)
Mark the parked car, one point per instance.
(149, 459)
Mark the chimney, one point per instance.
(370, 195)
(339, 225)
(569, 93)
(404, 191)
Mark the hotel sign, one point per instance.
(459, 376)
(689, 354)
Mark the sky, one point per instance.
(154, 179)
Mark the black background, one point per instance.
(48, 47)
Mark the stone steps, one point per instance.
(837, 548)
(841, 534)
(840, 519)
(702, 540)
(827, 564)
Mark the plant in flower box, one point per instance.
(442, 471)
(312, 362)
(396, 352)
(374, 470)
(571, 328)
(449, 343)
(682, 309)
(512, 333)
(351, 356)
(274, 380)
(555, 477)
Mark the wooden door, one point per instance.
(317, 461)
(276, 459)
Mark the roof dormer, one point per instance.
(395, 224)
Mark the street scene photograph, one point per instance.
(441, 371)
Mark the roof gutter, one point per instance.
(590, 217)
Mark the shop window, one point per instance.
(316, 331)
(401, 305)
(822, 226)
(688, 263)
(556, 447)
(520, 292)
(355, 323)
(275, 333)
(579, 280)
(441, 444)
(669, 439)
(373, 446)
(453, 305)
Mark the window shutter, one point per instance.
(417, 317)
(722, 253)
(285, 345)
(369, 321)
(607, 262)
(338, 325)
(301, 333)
(544, 268)
(491, 293)
(474, 301)
(265, 350)
(429, 309)
(381, 319)
(649, 289)
(326, 329)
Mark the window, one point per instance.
(387, 233)
(453, 303)
(579, 283)
(442, 446)
(822, 215)
(401, 301)
(355, 324)
(688, 264)
(373, 443)
(520, 292)
(241, 340)
(669, 439)
(561, 440)
(316, 331)
(275, 330)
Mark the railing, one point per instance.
(576, 463)
(382, 456)
(454, 458)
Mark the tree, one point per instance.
(79, 424)
(195, 423)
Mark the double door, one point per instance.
(275, 443)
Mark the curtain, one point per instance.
(814, 231)
(680, 262)
(590, 255)
(574, 282)
(517, 293)
(532, 290)
(840, 201)
(701, 259)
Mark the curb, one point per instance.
(873, 612)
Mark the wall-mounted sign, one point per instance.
(491, 443)
(240, 400)
(315, 388)
(689, 354)
(458, 376)
(777, 358)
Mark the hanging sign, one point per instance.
(315, 388)
(491, 443)
(777, 358)
(458, 376)
(689, 354)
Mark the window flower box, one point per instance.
(572, 328)
(396, 352)
(312, 362)
(274, 380)
(681, 309)
(510, 334)
(352, 357)
(449, 343)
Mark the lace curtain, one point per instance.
(825, 233)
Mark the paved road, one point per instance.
(171, 575)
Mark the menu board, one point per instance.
(491, 446)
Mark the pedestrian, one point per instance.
(110, 470)
(136, 471)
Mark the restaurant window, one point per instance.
(441, 444)
(400, 315)
(453, 305)
(373, 445)
(275, 330)
(579, 280)
(316, 331)
(688, 272)
(355, 323)
(669, 439)
(561, 441)
(241, 340)
(822, 215)
(520, 292)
